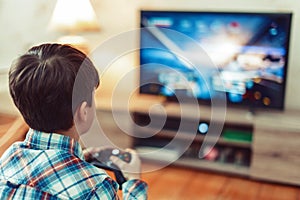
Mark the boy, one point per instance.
(49, 163)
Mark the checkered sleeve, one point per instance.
(104, 190)
(134, 190)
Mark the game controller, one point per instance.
(104, 155)
(102, 160)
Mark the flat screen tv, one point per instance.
(249, 51)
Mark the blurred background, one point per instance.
(26, 23)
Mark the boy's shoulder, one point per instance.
(55, 171)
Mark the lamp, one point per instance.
(73, 17)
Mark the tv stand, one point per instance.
(264, 146)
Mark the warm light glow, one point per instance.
(257, 95)
(267, 101)
(74, 16)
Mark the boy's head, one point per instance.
(41, 84)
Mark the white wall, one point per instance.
(24, 23)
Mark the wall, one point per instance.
(22, 28)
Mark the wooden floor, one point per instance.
(180, 183)
(12, 129)
(174, 182)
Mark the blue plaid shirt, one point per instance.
(51, 166)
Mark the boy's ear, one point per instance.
(81, 113)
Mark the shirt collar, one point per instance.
(45, 141)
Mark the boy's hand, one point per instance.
(132, 169)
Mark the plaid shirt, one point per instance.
(51, 166)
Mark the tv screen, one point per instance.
(248, 51)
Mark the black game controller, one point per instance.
(104, 155)
(102, 160)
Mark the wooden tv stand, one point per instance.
(264, 146)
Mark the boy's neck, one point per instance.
(72, 133)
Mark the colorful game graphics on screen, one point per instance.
(248, 52)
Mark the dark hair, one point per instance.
(41, 83)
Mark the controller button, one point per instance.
(115, 151)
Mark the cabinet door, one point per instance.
(276, 155)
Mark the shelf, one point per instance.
(145, 133)
(228, 148)
(215, 166)
(143, 103)
(154, 154)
